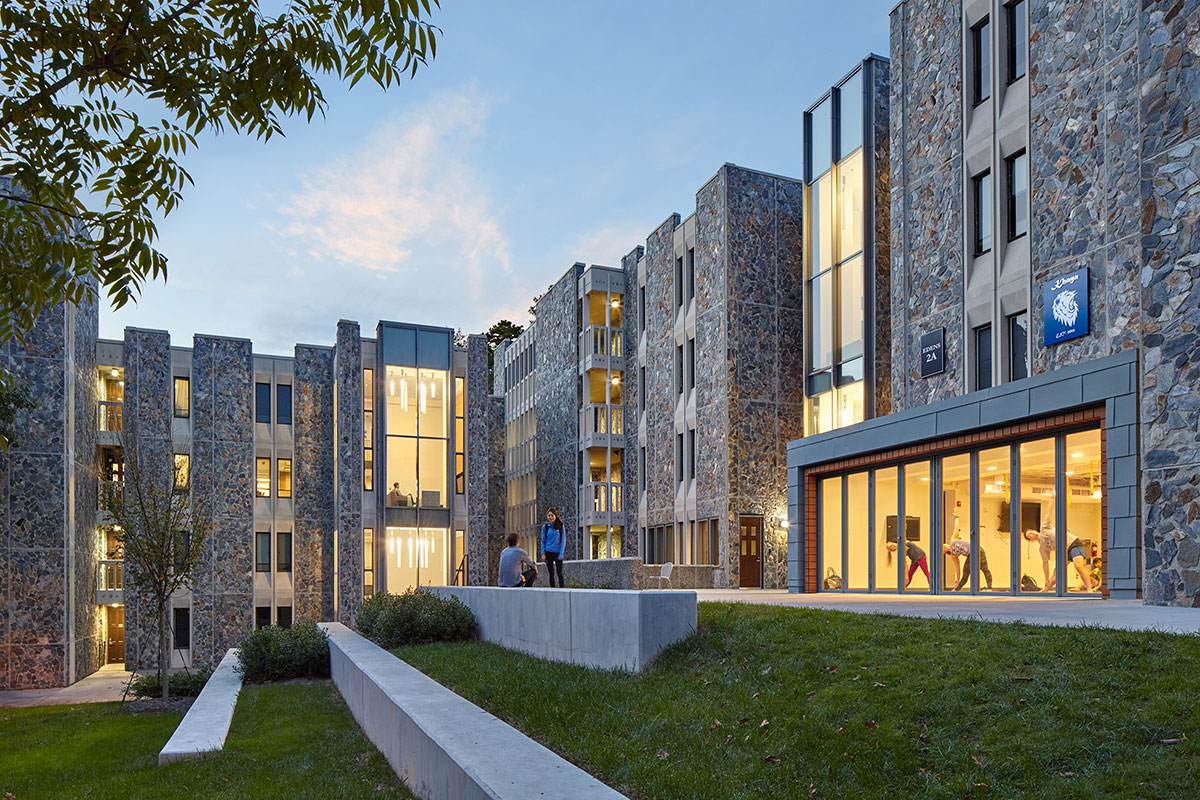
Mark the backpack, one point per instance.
(1028, 584)
(832, 581)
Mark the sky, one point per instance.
(544, 132)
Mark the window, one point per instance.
(1018, 346)
(679, 368)
(850, 120)
(262, 551)
(368, 430)
(1016, 35)
(262, 402)
(642, 308)
(981, 60)
(283, 486)
(1017, 182)
(368, 562)
(679, 281)
(183, 398)
(691, 434)
(642, 385)
(460, 435)
(283, 616)
(262, 617)
(691, 273)
(283, 551)
(181, 626)
(262, 477)
(182, 472)
(981, 191)
(983, 357)
(283, 404)
(642, 469)
(820, 138)
(679, 458)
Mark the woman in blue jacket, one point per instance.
(553, 539)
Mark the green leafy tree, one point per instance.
(14, 399)
(163, 527)
(504, 329)
(101, 98)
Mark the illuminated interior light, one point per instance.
(422, 403)
(392, 387)
(404, 395)
(114, 373)
(1076, 455)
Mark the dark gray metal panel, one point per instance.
(1057, 396)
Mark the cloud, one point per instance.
(608, 245)
(409, 206)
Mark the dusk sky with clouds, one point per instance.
(543, 133)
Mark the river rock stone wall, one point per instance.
(49, 626)
(482, 539)
(348, 477)
(312, 539)
(147, 413)
(222, 462)
(557, 404)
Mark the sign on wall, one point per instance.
(1065, 307)
(933, 353)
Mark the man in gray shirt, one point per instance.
(512, 561)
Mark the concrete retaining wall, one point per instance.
(440, 744)
(609, 629)
(206, 724)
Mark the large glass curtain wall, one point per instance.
(417, 483)
(833, 260)
(960, 512)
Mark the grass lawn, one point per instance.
(287, 740)
(783, 702)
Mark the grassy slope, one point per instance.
(861, 706)
(288, 740)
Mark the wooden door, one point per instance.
(750, 552)
(116, 634)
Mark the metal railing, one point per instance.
(603, 497)
(598, 418)
(601, 340)
(110, 416)
(112, 576)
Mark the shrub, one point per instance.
(415, 617)
(181, 684)
(279, 654)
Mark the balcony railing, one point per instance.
(110, 416)
(601, 340)
(599, 418)
(112, 576)
(602, 497)
(108, 491)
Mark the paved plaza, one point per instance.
(1130, 615)
(104, 685)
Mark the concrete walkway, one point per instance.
(1130, 615)
(105, 685)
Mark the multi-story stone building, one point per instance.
(1043, 315)
(329, 475)
(566, 395)
(516, 380)
(720, 376)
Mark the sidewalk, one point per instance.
(104, 685)
(1130, 615)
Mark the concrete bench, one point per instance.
(439, 743)
(605, 628)
(206, 724)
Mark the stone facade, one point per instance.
(222, 409)
(496, 489)
(926, 196)
(1113, 187)
(557, 402)
(49, 624)
(348, 472)
(747, 235)
(147, 417)
(479, 462)
(312, 537)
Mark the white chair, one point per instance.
(664, 575)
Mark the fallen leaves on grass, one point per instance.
(662, 755)
(1173, 741)
(771, 760)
